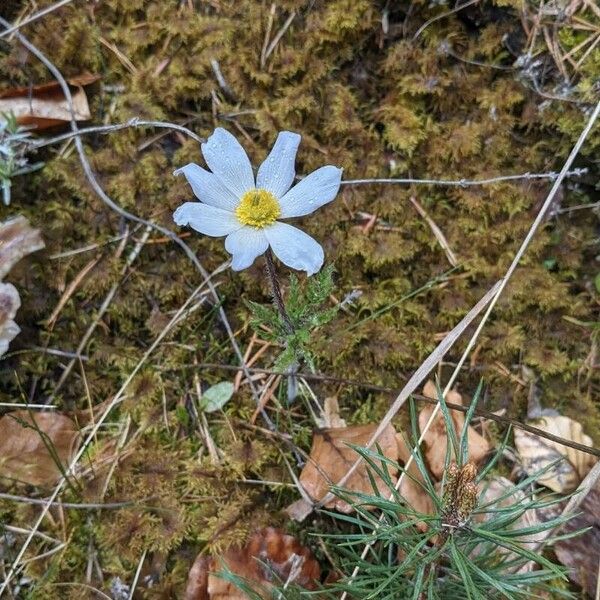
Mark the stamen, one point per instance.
(258, 208)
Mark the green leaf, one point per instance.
(216, 396)
(597, 282)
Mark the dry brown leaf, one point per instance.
(17, 239)
(331, 458)
(537, 453)
(9, 304)
(582, 553)
(435, 440)
(44, 106)
(492, 491)
(269, 551)
(410, 490)
(23, 454)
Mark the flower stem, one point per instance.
(276, 292)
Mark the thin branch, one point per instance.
(135, 122)
(75, 505)
(551, 175)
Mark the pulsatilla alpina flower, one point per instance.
(233, 204)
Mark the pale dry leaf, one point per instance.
(435, 441)
(43, 106)
(492, 491)
(538, 453)
(330, 417)
(415, 495)
(24, 453)
(17, 239)
(270, 555)
(331, 458)
(9, 304)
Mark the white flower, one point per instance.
(232, 204)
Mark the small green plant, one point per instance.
(303, 313)
(13, 145)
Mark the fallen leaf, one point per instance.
(537, 453)
(582, 553)
(17, 239)
(269, 554)
(9, 304)
(331, 458)
(24, 453)
(415, 495)
(492, 491)
(435, 440)
(216, 396)
(45, 105)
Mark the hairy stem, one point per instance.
(276, 292)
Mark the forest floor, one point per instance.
(140, 359)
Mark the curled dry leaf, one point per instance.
(17, 239)
(492, 491)
(24, 446)
(538, 453)
(435, 442)
(9, 304)
(44, 106)
(331, 458)
(270, 555)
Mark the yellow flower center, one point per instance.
(258, 208)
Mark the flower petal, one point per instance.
(228, 161)
(316, 189)
(206, 219)
(295, 248)
(277, 173)
(245, 244)
(208, 187)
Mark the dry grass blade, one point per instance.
(437, 232)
